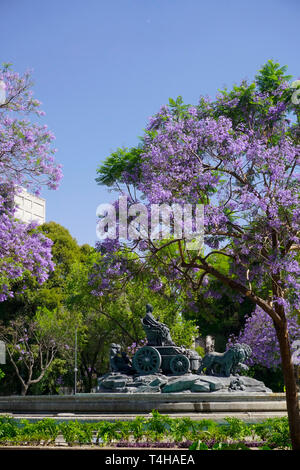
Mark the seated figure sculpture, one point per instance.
(158, 334)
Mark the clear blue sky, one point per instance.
(102, 67)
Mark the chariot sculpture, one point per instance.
(161, 353)
(163, 367)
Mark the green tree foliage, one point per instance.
(65, 252)
(116, 317)
(112, 171)
(33, 344)
(45, 305)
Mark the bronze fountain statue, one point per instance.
(161, 366)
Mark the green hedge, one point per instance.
(202, 434)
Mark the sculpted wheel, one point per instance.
(179, 364)
(146, 360)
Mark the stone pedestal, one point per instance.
(159, 383)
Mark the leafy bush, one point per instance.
(76, 432)
(182, 428)
(8, 428)
(47, 428)
(107, 431)
(157, 430)
(137, 427)
(275, 432)
(158, 426)
(236, 428)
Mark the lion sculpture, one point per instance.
(118, 360)
(227, 363)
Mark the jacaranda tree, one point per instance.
(260, 335)
(26, 160)
(239, 156)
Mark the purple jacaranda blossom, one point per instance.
(247, 175)
(259, 333)
(27, 160)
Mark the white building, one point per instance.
(30, 208)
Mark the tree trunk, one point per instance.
(24, 389)
(292, 401)
(297, 376)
